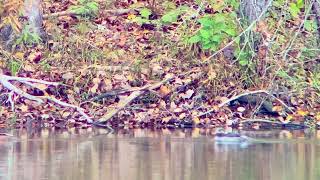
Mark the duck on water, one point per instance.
(223, 137)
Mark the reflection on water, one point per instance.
(145, 155)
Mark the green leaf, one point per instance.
(300, 4)
(194, 39)
(220, 17)
(206, 22)
(170, 17)
(310, 25)
(216, 38)
(294, 10)
(278, 3)
(230, 31)
(205, 34)
(243, 62)
(207, 45)
(145, 13)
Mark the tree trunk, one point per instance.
(251, 9)
(33, 11)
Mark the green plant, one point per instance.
(295, 8)
(85, 8)
(170, 17)
(28, 37)
(144, 16)
(214, 30)
(14, 67)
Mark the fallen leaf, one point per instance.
(301, 112)
(42, 87)
(24, 108)
(67, 76)
(196, 120)
(188, 94)
(131, 16)
(66, 114)
(164, 91)
(241, 109)
(277, 108)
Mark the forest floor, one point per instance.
(138, 64)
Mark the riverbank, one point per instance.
(142, 65)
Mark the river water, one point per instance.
(160, 155)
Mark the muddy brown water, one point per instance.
(161, 155)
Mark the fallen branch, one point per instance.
(246, 94)
(123, 103)
(5, 81)
(272, 122)
(116, 12)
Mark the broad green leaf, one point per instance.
(216, 38)
(230, 31)
(310, 25)
(300, 4)
(205, 34)
(207, 46)
(194, 39)
(170, 17)
(243, 62)
(206, 22)
(145, 13)
(294, 10)
(219, 18)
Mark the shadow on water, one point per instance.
(146, 154)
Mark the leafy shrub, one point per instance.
(214, 30)
(28, 37)
(85, 8)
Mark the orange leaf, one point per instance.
(301, 112)
(164, 90)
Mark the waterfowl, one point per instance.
(228, 137)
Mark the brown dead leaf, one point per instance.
(301, 112)
(164, 90)
(196, 120)
(24, 108)
(66, 114)
(67, 76)
(188, 94)
(241, 109)
(277, 108)
(42, 87)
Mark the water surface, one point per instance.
(164, 155)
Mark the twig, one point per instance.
(123, 103)
(243, 32)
